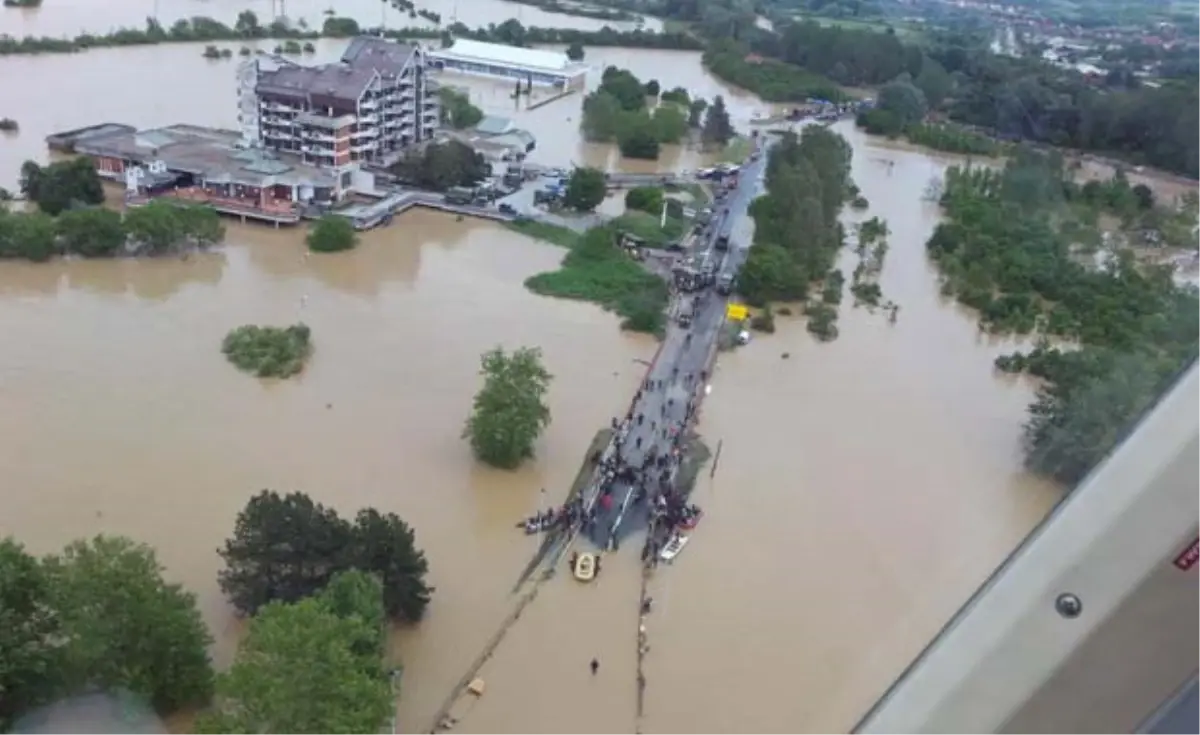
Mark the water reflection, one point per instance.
(155, 279)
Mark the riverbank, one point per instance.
(207, 30)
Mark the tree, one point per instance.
(457, 110)
(586, 189)
(441, 166)
(283, 548)
(509, 410)
(331, 234)
(575, 51)
(652, 88)
(934, 82)
(93, 232)
(29, 236)
(125, 627)
(718, 130)
(61, 185)
(640, 140)
(287, 548)
(386, 546)
(678, 96)
(903, 100)
(247, 25)
(30, 635)
(670, 124)
(269, 352)
(645, 198)
(312, 666)
(696, 110)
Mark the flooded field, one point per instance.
(865, 487)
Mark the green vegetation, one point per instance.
(597, 270)
(442, 166)
(717, 129)
(268, 352)
(9, 125)
(61, 185)
(212, 52)
(97, 616)
(331, 234)
(1003, 250)
(562, 236)
(201, 29)
(575, 51)
(871, 249)
(581, 11)
(288, 548)
(650, 228)
(310, 666)
(763, 321)
(770, 79)
(509, 411)
(617, 111)
(22, 3)
(457, 110)
(586, 189)
(645, 199)
(797, 233)
(737, 150)
(68, 189)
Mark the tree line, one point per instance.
(1111, 336)
(797, 233)
(618, 111)
(69, 219)
(247, 26)
(99, 616)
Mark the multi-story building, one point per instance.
(367, 108)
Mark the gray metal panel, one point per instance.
(1180, 715)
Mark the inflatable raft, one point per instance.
(585, 567)
(673, 547)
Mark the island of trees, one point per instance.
(618, 111)
(268, 352)
(98, 618)
(69, 219)
(1114, 329)
(331, 234)
(456, 109)
(797, 233)
(509, 411)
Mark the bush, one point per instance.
(332, 234)
(268, 352)
(645, 198)
(764, 321)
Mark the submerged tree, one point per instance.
(509, 411)
(30, 635)
(313, 666)
(585, 189)
(287, 548)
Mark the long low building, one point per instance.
(497, 61)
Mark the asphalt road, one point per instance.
(678, 367)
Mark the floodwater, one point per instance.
(73, 17)
(865, 487)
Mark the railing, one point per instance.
(270, 207)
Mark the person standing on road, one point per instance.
(595, 666)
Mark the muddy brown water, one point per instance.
(865, 487)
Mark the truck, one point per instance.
(724, 233)
(685, 314)
(460, 195)
(725, 284)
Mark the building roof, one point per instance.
(465, 48)
(494, 125)
(331, 80)
(211, 153)
(378, 54)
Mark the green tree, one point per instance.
(30, 635)
(125, 627)
(269, 352)
(678, 96)
(93, 232)
(770, 274)
(639, 139)
(586, 189)
(457, 110)
(718, 130)
(696, 110)
(670, 124)
(30, 235)
(934, 82)
(652, 88)
(441, 166)
(386, 546)
(303, 668)
(331, 234)
(247, 25)
(645, 198)
(575, 51)
(154, 227)
(904, 100)
(62, 185)
(509, 411)
(287, 548)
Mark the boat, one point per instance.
(673, 547)
(691, 520)
(585, 567)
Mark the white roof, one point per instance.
(465, 48)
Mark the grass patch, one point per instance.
(555, 234)
(647, 227)
(598, 271)
(268, 352)
(700, 197)
(737, 150)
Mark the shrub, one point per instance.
(332, 234)
(268, 352)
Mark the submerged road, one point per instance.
(675, 377)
